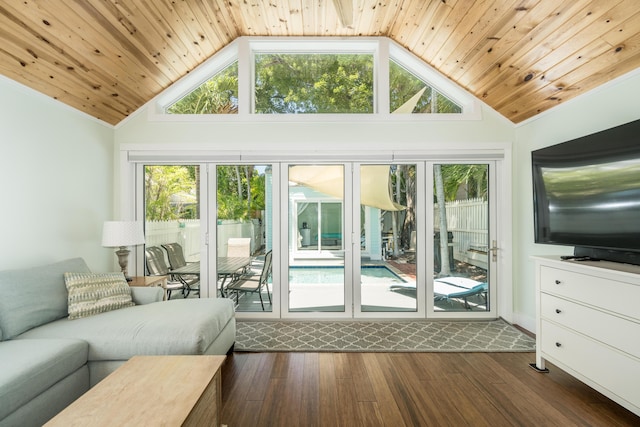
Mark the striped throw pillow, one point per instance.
(94, 293)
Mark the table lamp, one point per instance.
(120, 234)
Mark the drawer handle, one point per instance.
(558, 311)
(558, 282)
(558, 344)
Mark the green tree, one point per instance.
(240, 191)
(463, 181)
(314, 83)
(218, 95)
(170, 192)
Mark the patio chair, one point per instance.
(239, 247)
(254, 283)
(176, 261)
(156, 266)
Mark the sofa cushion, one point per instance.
(30, 367)
(34, 296)
(183, 326)
(94, 293)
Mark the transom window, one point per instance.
(283, 76)
(313, 83)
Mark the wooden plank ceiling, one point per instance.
(521, 57)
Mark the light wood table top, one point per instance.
(151, 391)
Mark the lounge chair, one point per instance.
(460, 288)
(451, 288)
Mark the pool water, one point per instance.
(319, 275)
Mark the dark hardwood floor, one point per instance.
(410, 389)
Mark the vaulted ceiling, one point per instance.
(521, 57)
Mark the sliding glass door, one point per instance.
(463, 256)
(244, 244)
(316, 256)
(388, 253)
(172, 226)
(345, 240)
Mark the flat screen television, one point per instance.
(587, 194)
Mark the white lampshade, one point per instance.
(122, 233)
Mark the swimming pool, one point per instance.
(323, 275)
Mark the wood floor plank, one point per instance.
(237, 377)
(369, 414)
(389, 410)
(328, 384)
(378, 389)
(285, 385)
(444, 398)
(407, 389)
(511, 396)
(570, 396)
(361, 381)
(310, 400)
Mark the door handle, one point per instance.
(494, 250)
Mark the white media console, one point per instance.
(588, 324)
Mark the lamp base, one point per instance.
(123, 259)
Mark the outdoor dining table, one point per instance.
(228, 267)
(190, 268)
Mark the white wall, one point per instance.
(56, 169)
(348, 135)
(611, 105)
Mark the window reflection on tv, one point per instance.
(594, 203)
(587, 191)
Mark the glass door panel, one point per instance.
(461, 264)
(388, 230)
(244, 238)
(172, 226)
(316, 227)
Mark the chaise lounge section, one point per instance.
(49, 360)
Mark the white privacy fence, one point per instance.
(468, 220)
(187, 234)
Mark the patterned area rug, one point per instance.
(407, 336)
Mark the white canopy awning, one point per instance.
(329, 179)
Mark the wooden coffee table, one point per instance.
(152, 391)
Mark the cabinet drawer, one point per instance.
(618, 297)
(606, 367)
(601, 326)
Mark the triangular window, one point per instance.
(409, 94)
(218, 95)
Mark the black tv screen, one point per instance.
(587, 191)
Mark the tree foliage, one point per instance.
(218, 95)
(464, 181)
(313, 83)
(241, 191)
(171, 192)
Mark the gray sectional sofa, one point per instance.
(47, 361)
